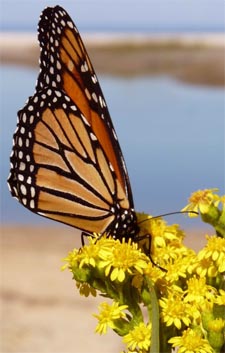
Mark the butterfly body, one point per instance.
(66, 163)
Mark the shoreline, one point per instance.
(95, 39)
(190, 57)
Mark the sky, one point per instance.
(120, 14)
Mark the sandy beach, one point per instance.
(193, 58)
(42, 311)
(41, 308)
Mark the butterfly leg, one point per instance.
(147, 248)
(86, 234)
(83, 236)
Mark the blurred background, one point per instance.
(161, 67)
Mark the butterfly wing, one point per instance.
(66, 64)
(66, 162)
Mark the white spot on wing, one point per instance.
(24, 201)
(24, 117)
(32, 191)
(20, 177)
(87, 94)
(23, 189)
(95, 97)
(85, 120)
(114, 134)
(84, 67)
(20, 142)
(31, 203)
(93, 137)
(70, 24)
(94, 79)
(22, 166)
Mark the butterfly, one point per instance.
(66, 162)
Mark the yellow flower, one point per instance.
(204, 267)
(176, 269)
(216, 325)
(201, 200)
(154, 272)
(139, 338)
(174, 311)
(191, 342)
(121, 259)
(174, 233)
(71, 260)
(173, 253)
(220, 298)
(108, 314)
(199, 293)
(161, 235)
(161, 232)
(222, 199)
(155, 228)
(214, 251)
(87, 255)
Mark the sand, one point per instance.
(42, 311)
(41, 308)
(192, 58)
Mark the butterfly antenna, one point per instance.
(167, 214)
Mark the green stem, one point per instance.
(153, 310)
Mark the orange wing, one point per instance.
(65, 64)
(66, 162)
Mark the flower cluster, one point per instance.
(181, 290)
(211, 207)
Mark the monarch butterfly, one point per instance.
(66, 162)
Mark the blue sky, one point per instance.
(120, 14)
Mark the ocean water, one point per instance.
(172, 136)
